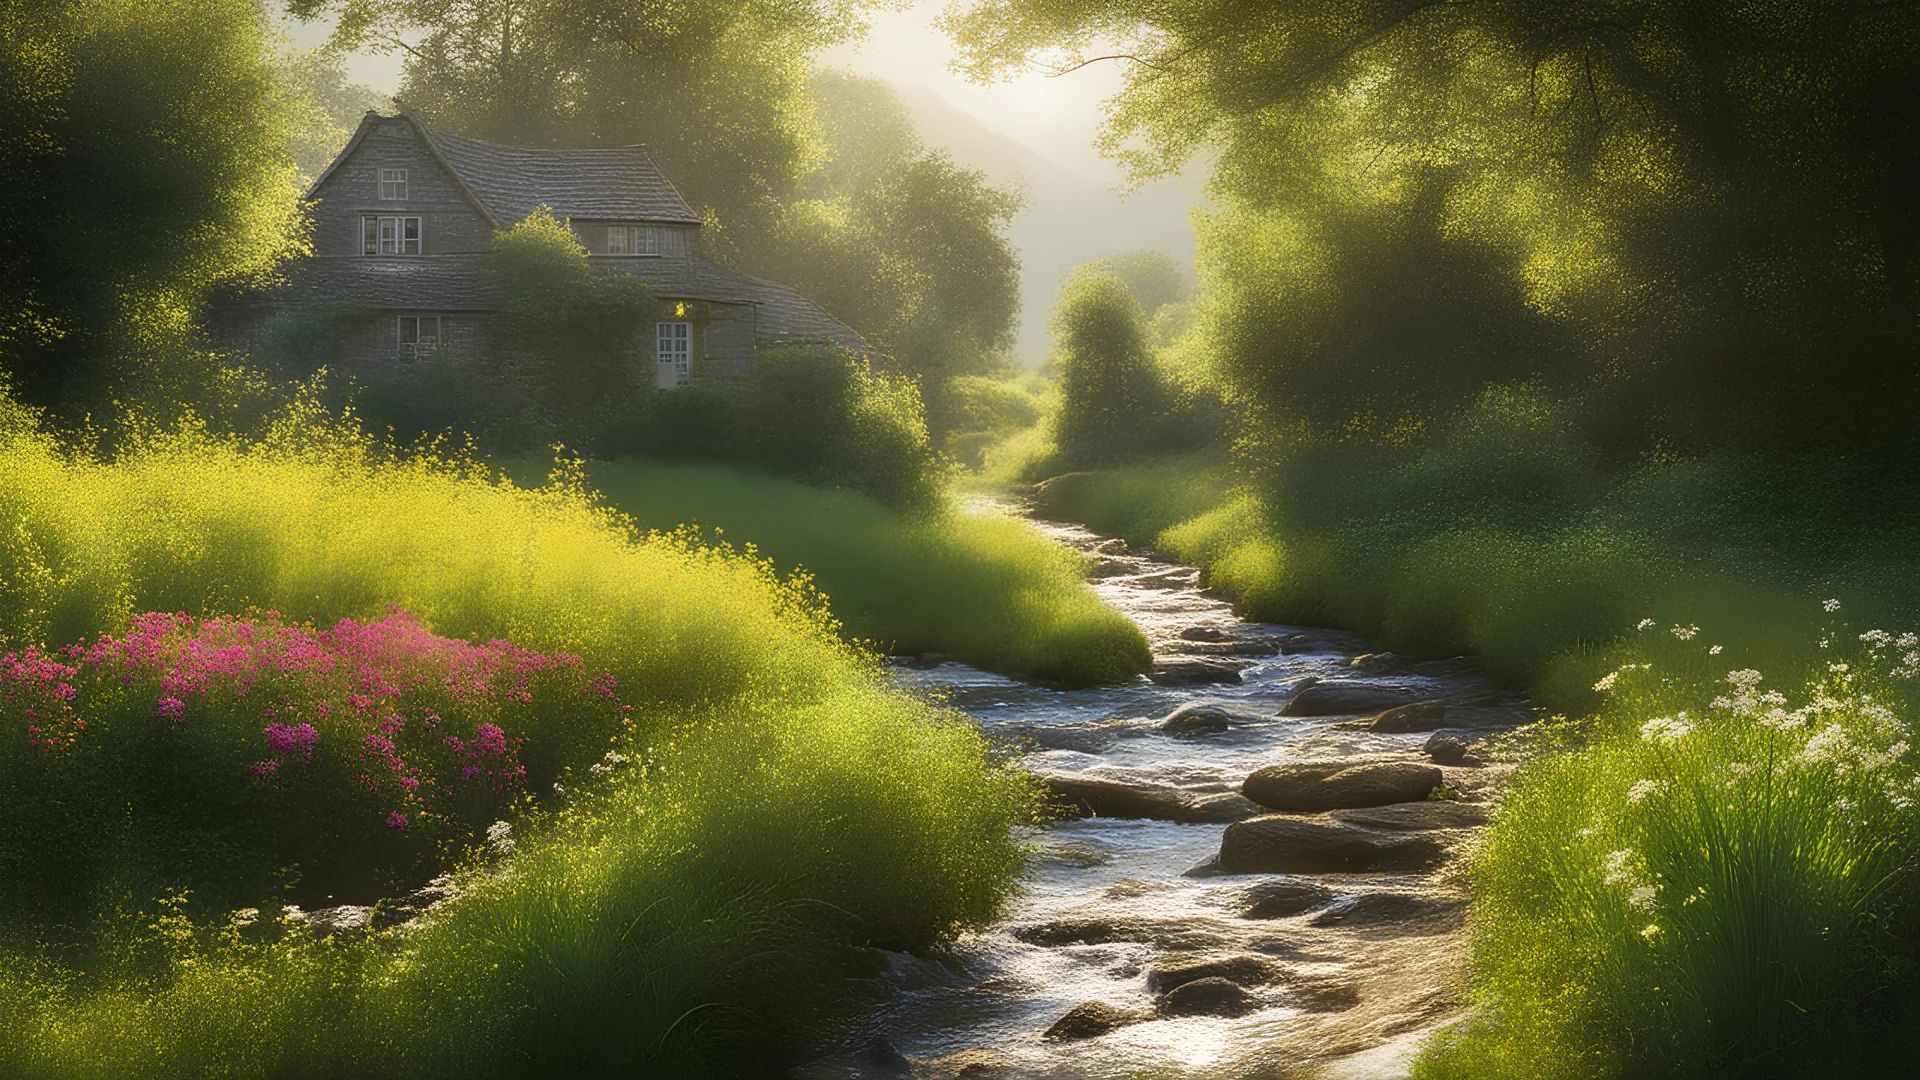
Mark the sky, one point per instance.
(1036, 131)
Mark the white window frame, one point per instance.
(391, 235)
(415, 326)
(643, 241)
(673, 352)
(393, 184)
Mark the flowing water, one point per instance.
(1118, 907)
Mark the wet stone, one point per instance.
(1205, 633)
(1412, 816)
(1080, 738)
(1080, 795)
(1347, 699)
(1292, 845)
(1212, 996)
(1091, 1019)
(1323, 995)
(1313, 786)
(1193, 672)
(1402, 719)
(1198, 718)
(1244, 970)
(1410, 911)
(1281, 899)
(1445, 748)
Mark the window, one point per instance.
(636, 240)
(390, 235)
(676, 349)
(393, 183)
(418, 333)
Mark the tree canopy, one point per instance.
(1694, 217)
(145, 160)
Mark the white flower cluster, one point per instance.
(1830, 606)
(1685, 633)
(607, 764)
(1643, 788)
(1643, 624)
(1877, 641)
(500, 838)
(1666, 728)
(1620, 871)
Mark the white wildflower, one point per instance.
(1723, 702)
(500, 837)
(1606, 682)
(1666, 728)
(1907, 640)
(614, 757)
(599, 769)
(1643, 788)
(1619, 867)
(1876, 639)
(1745, 678)
(1830, 745)
(245, 917)
(1830, 606)
(1843, 803)
(1643, 624)
(1641, 898)
(1838, 669)
(1715, 651)
(1685, 633)
(1773, 697)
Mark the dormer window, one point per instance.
(645, 240)
(390, 235)
(393, 183)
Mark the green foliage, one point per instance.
(898, 241)
(1153, 278)
(780, 803)
(323, 107)
(145, 162)
(1693, 219)
(1110, 388)
(575, 333)
(1719, 883)
(982, 588)
(813, 412)
(970, 413)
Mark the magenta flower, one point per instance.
(292, 738)
(396, 820)
(171, 708)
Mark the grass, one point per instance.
(983, 587)
(681, 916)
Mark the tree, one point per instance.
(906, 247)
(1713, 199)
(145, 161)
(1111, 398)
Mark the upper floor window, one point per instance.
(640, 240)
(393, 183)
(390, 235)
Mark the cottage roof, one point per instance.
(785, 316)
(619, 183)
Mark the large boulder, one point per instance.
(1246, 969)
(1281, 899)
(1091, 1019)
(1347, 699)
(1418, 716)
(1081, 795)
(1196, 718)
(1212, 996)
(1182, 672)
(1283, 844)
(1415, 816)
(1313, 786)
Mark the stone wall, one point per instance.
(449, 221)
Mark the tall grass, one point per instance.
(1722, 880)
(678, 915)
(983, 587)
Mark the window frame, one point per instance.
(629, 241)
(673, 344)
(394, 180)
(407, 235)
(419, 343)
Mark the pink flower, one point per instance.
(171, 708)
(292, 738)
(396, 820)
(410, 783)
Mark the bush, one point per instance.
(813, 412)
(983, 588)
(1110, 388)
(1720, 881)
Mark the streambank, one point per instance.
(1174, 927)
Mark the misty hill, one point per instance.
(1069, 218)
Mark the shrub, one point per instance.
(1110, 389)
(213, 755)
(982, 587)
(1721, 880)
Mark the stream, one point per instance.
(1341, 974)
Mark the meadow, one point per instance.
(691, 804)
(979, 585)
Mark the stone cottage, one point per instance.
(404, 220)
